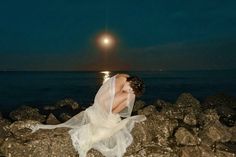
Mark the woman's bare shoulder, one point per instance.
(122, 75)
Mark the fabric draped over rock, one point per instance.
(97, 127)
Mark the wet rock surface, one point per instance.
(185, 128)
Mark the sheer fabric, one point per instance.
(97, 127)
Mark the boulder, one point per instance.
(232, 130)
(68, 102)
(42, 143)
(225, 106)
(196, 151)
(4, 129)
(190, 119)
(160, 127)
(187, 100)
(216, 132)
(27, 113)
(139, 104)
(49, 108)
(149, 110)
(160, 104)
(51, 119)
(64, 117)
(208, 116)
(184, 137)
(154, 150)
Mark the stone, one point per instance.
(64, 117)
(4, 129)
(160, 104)
(160, 128)
(139, 104)
(149, 110)
(50, 107)
(27, 113)
(68, 102)
(45, 143)
(22, 128)
(187, 100)
(154, 150)
(232, 130)
(208, 116)
(173, 112)
(52, 120)
(190, 119)
(184, 137)
(221, 153)
(196, 151)
(216, 132)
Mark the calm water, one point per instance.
(41, 88)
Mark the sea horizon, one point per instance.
(40, 88)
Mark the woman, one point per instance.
(100, 125)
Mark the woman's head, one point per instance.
(137, 85)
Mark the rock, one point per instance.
(138, 105)
(173, 112)
(196, 151)
(187, 100)
(55, 142)
(153, 150)
(50, 108)
(68, 102)
(190, 119)
(52, 120)
(226, 147)
(216, 132)
(149, 110)
(184, 105)
(64, 117)
(160, 128)
(221, 153)
(27, 113)
(225, 107)
(208, 116)
(182, 129)
(1, 116)
(227, 115)
(4, 129)
(184, 137)
(232, 130)
(22, 128)
(220, 99)
(160, 104)
(141, 135)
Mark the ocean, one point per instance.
(46, 88)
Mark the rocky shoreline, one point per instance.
(186, 128)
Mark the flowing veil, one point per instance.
(97, 127)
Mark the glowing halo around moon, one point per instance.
(106, 41)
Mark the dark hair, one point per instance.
(137, 85)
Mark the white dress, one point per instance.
(97, 127)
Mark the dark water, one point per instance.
(41, 88)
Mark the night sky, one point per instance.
(150, 34)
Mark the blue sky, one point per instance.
(151, 35)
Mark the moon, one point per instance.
(106, 41)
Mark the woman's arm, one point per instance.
(120, 107)
(119, 100)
